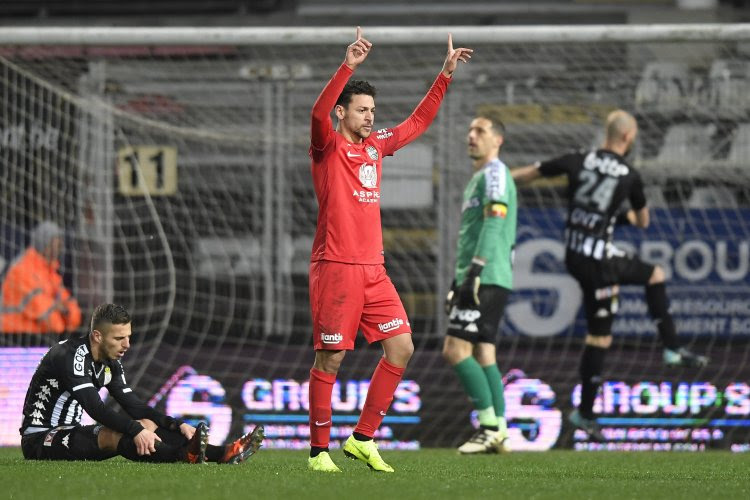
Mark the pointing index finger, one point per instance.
(359, 32)
(450, 41)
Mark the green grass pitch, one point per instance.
(430, 473)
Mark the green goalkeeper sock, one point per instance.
(475, 384)
(487, 418)
(502, 426)
(495, 383)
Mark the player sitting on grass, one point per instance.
(67, 382)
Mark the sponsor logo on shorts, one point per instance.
(465, 315)
(78, 359)
(393, 324)
(331, 338)
(49, 437)
(471, 328)
(65, 440)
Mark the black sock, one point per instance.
(172, 438)
(490, 427)
(214, 453)
(361, 437)
(164, 453)
(592, 363)
(317, 450)
(658, 308)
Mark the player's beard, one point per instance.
(364, 133)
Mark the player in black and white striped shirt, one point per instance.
(599, 182)
(67, 382)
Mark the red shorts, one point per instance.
(345, 298)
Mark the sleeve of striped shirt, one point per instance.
(131, 403)
(82, 389)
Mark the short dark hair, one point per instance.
(354, 87)
(497, 124)
(109, 314)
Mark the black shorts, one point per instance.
(483, 323)
(600, 280)
(66, 442)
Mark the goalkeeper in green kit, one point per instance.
(483, 280)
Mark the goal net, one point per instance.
(176, 162)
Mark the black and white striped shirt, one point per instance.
(67, 382)
(599, 182)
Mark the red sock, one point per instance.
(321, 387)
(379, 396)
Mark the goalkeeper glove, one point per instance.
(449, 299)
(468, 292)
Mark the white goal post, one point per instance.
(177, 161)
(302, 36)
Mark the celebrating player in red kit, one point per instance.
(349, 288)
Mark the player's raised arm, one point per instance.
(453, 56)
(321, 127)
(425, 112)
(357, 51)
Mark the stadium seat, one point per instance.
(655, 197)
(739, 152)
(663, 86)
(712, 197)
(686, 147)
(729, 84)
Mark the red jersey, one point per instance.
(347, 175)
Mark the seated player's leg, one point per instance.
(239, 450)
(171, 437)
(383, 320)
(336, 304)
(190, 451)
(69, 442)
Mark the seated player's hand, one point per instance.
(187, 430)
(145, 442)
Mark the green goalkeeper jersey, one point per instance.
(488, 225)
